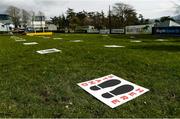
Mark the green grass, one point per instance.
(34, 85)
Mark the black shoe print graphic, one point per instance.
(106, 84)
(118, 91)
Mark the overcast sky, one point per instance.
(149, 8)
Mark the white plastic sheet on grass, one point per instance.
(114, 46)
(47, 51)
(31, 43)
(113, 90)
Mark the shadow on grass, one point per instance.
(169, 48)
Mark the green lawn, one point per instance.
(34, 85)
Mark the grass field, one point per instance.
(34, 85)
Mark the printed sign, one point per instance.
(31, 43)
(112, 90)
(113, 46)
(47, 51)
(117, 31)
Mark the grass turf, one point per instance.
(34, 85)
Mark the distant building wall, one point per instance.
(51, 27)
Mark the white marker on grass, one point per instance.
(76, 41)
(113, 90)
(47, 51)
(161, 40)
(21, 40)
(57, 38)
(132, 37)
(31, 43)
(135, 41)
(46, 37)
(114, 46)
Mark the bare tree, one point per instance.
(40, 13)
(177, 7)
(125, 13)
(14, 12)
(26, 16)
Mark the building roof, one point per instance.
(168, 23)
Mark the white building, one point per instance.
(38, 23)
(168, 23)
(6, 24)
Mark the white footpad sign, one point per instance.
(135, 41)
(31, 43)
(114, 46)
(76, 41)
(47, 51)
(20, 40)
(112, 90)
(57, 38)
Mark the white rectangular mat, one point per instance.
(31, 43)
(47, 51)
(112, 90)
